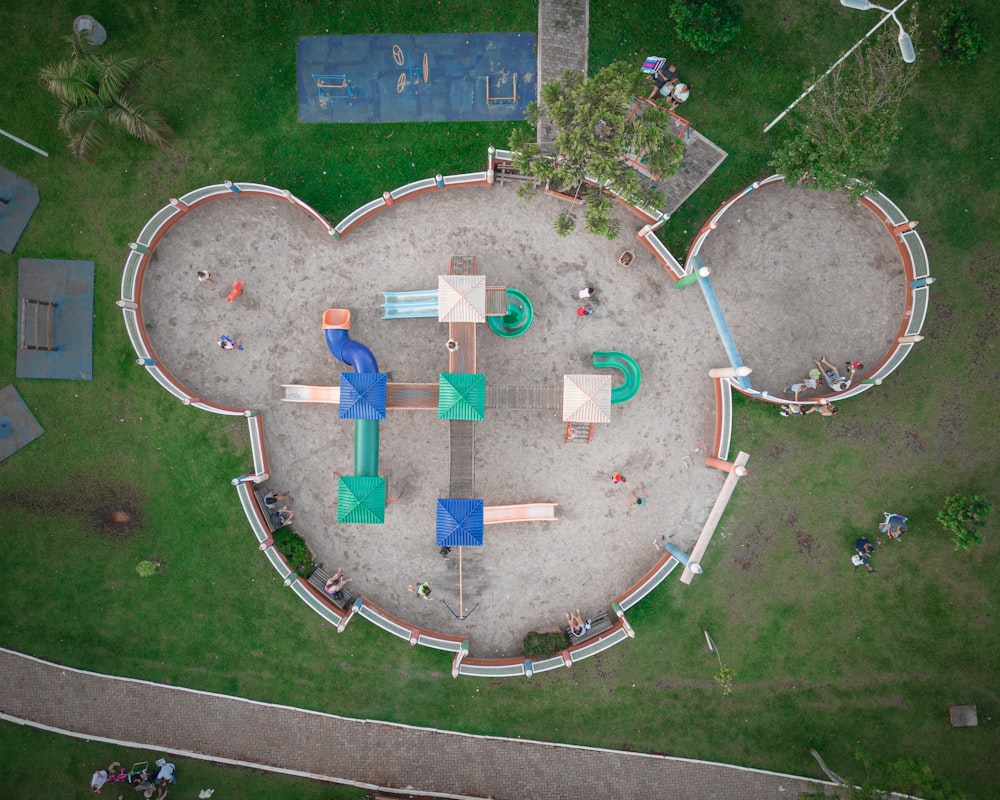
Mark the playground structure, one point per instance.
(462, 300)
(138, 261)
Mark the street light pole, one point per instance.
(905, 42)
(905, 46)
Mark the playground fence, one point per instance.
(598, 645)
(481, 668)
(253, 513)
(648, 583)
(308, 595)
(724, 416)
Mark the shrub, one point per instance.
(544, 645)
(963, 516)
(724, 677)
(293, 548)
(145, 569)
(565, 223)
(706, 25)
(959, 38)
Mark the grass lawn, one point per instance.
(824, 657)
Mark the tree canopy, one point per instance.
(846, 126)
(601, 120)
(98, 92)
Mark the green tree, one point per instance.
(599, 121)
(964, 516)
(847, 125)
(98, 92)
(959, 38)
(706, 25)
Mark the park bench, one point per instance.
(598, 625)
(505, 172)
(319, 577)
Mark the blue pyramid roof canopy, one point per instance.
(362, 395)
(459, 522)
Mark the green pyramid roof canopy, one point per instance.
(361, 500)
(461, 395)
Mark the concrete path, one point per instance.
(377, 755)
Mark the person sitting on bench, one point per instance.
(667, 77)
(577, 625)
(335, 584)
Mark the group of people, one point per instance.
(153, 785)
(894, 526)
(668, 86)
(587, 296)
(281, 516)
(834, 380)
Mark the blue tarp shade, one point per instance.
(459, 522)
(362, 395)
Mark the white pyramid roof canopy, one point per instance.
(461, 298)
(586, 398)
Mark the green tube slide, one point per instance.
(629, 368)
(520, 314)
(366, 448)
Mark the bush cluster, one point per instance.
(706, 25)
(293, 548)
(959, 38)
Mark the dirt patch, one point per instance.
(805, 543)
(112, 511)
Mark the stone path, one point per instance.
(376, 755)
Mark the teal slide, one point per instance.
(629, 369)
(366, 447)
(520, 314)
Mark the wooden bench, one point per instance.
(319, 577)
(598, 625)
(504, 171)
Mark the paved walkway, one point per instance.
(377, 755)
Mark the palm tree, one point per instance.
(97, 92)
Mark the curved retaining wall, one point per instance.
(137, 261)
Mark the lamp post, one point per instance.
(905, 42)
(905, 48)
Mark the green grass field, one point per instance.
(824, 657)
